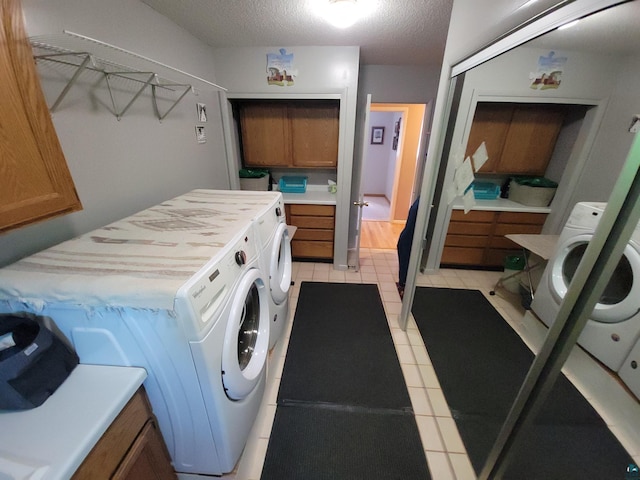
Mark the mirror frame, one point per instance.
(620, 218)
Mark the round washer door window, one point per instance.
(619, 299)
(246, 341)
(280, 264)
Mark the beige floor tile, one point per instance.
(439, 466)
(411, 375)
(450, 435)
(428, 375)
(429, 433)
(438, 402)
(462, 466)
(419, 401)
(405, 354)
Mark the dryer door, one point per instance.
(246, 341)
(619, 301)
(280, 264)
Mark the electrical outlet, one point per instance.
(635, 124)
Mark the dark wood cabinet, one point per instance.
(300, 134)
(519, 138)
(478, 237)
(132, 447)
(36, 182)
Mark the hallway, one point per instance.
(377, 232)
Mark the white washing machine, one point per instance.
(267, 211)
(177, 290)
(614, 325)
(276, 264)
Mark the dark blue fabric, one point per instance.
(404, 242)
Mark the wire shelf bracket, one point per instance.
(114, 63)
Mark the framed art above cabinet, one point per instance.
(289, 133)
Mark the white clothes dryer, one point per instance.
(276, 264)
(614, 325)
(175, 289)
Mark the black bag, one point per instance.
(33, 368)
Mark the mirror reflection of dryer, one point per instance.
(613, 327)
(276, 263)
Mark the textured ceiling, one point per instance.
(407, 32)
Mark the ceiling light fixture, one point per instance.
(342, 13)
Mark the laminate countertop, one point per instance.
(315, 195)
(500, 205)
(52, 440)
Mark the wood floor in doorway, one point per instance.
(380, 235)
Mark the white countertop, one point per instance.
(315, 195)
(500, 205)
(52, 440)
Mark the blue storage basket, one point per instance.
(292, 184)
(485, 190)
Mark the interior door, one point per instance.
(360, 203)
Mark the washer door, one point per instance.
(619, 300)
(246, 340)
(280, 264)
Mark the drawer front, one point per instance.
(311, 234)
(462, 256)
(494, 257)
(503, 242)
(471, 228)
(312, 222)
(311, 249)
(482, 216)
(502, 230)
(314, 210)
(465, 241)
(516, 217)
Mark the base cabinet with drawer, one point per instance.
(478, 238)
(316, 226)
(132, 447)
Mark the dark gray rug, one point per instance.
(343, 411)
(481, 363)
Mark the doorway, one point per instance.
(389, 171)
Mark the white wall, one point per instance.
(320, 71)
(399, 84)
(377, 159)
(613, 139)
(121, 167)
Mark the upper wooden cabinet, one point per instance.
(520, 138)
(302, 134)
(36, 183)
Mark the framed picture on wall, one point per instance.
(377, 135)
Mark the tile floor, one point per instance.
(444, 449)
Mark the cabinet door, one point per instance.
(147, 459)
(314, 135)
(531, 139)
(265, 135)
(490, 125)
(36, 183)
